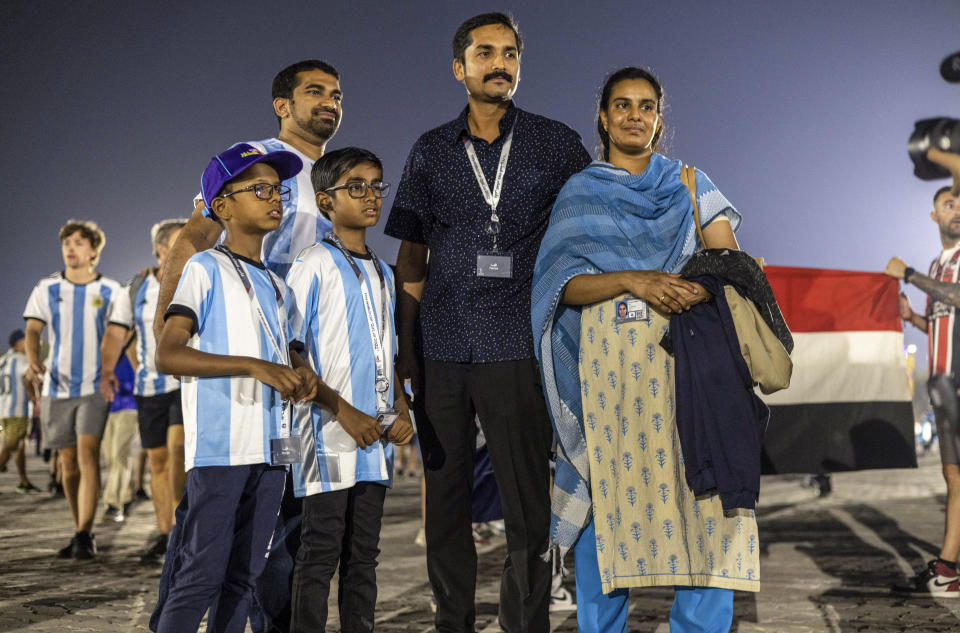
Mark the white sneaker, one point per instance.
(561, 600)
(421, 538)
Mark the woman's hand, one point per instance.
(665, 292)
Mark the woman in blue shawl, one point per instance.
(620, 231)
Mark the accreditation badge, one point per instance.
(386, 418)
(631, 309)
(285, 451)
(495, 264)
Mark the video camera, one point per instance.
(942, 132)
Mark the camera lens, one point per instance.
(941, 133)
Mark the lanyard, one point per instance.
(492, 198)
(382, 384)
(257, 311)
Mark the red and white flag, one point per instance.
(849, 402)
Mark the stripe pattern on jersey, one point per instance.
(139, 316)
(228, 420)
(13, 397)
(302, 225)
(327, 316)
(943, 334)
(76, 318)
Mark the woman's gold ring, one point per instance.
(663, 298)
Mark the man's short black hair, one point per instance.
(286, 79)
(940, 192)
(330, 167)
(461, 39)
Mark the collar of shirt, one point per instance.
(459, 127)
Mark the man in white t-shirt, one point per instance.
(159, 411)
(74, 306)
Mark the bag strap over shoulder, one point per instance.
(688, 175)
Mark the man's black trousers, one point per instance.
(508, 399)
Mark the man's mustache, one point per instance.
(498, 74)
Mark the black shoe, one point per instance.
(141, 495)
(84, 547)
(156, 553)
(919, 583)
(67, 552)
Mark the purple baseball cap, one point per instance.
(229, 164)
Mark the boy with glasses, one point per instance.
(226, 335)
(343, 317)
(76, 304)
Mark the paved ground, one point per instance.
(826, 563)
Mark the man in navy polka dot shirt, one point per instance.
(476, 196)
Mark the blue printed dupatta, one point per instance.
(605, 219)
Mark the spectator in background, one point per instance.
(74, 306)
(14, 410)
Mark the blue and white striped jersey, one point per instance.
(327, 316)
(139, 316)
(13, 397)
(302, 225)
(76, 316)
(229, 420)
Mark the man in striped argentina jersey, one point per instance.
(14, 410)
(306, 102)
(342, 315)
(159, 411)
(74, 306)
(942, 287)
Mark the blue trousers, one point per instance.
(224, 524)
(695, 609)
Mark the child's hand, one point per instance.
(310, 386)
(281, 377)
(402, 430)
(364, 430)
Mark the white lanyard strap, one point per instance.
(492, 198)
(382, 384)
(281, 348)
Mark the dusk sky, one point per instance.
(798, 111)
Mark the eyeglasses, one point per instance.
(263, 191)
(358, 189)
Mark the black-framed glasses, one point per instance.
(358, 188)
(264, 191)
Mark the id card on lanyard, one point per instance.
(386, 414)
(284, 450)
(492, 263)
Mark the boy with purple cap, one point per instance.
(226, 334)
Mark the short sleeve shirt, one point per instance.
(229, 420)
(13, 397)
(466, 318)
(136, 311)
(76, 316)
(328, 319)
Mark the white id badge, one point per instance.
(494, 264)
(285, 451)
(631, 309)
(386, 418)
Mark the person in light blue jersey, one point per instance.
(160, 417)
(14, 410)
(74, 307)
(226, 335)
(342, 316)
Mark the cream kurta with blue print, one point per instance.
(650, 528)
